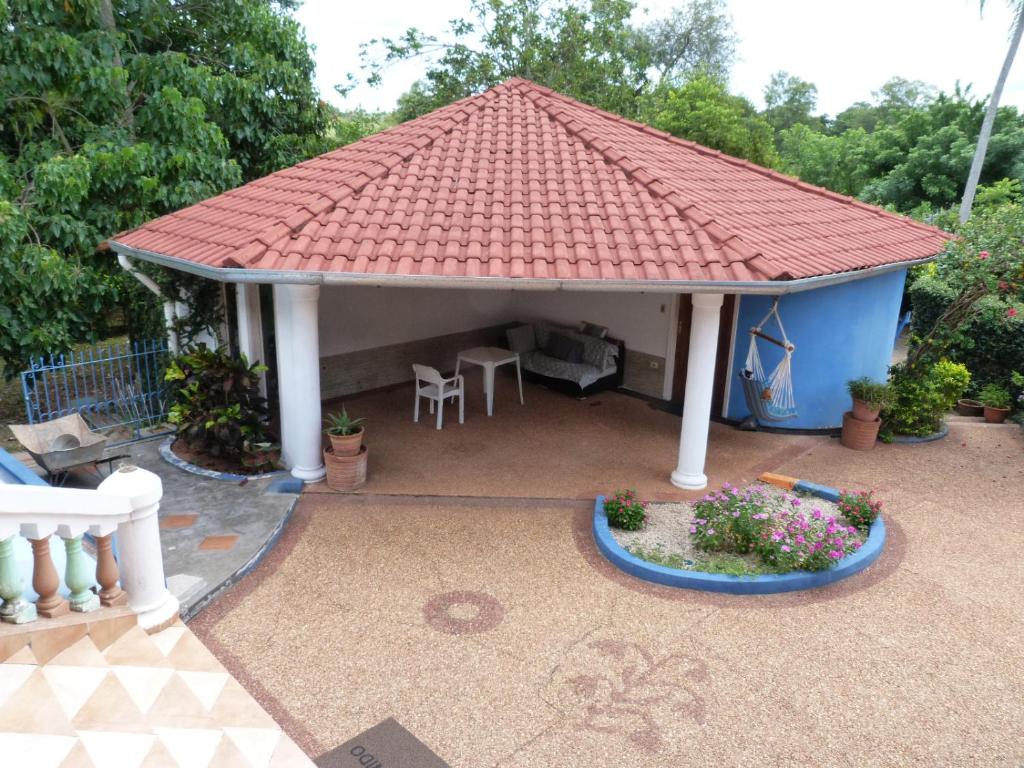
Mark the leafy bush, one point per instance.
(920, 395)
(859, 508)
(217, 405)
(968, 306)
(773, 526)
(874, 394)
(625, 511)
(995, 396)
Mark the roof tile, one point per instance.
(521, 182)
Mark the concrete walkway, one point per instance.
(494, 631)
(211, 530)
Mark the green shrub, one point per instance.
(874, 394)
(995, 396)
(919, 396)
(625, 511)
(979, 281)
(859, 508)
(217, 405)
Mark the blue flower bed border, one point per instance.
(767, 584)
(184, 466)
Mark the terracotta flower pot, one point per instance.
(346, 473)
(859, 435)
(967, 407)
(864, 412)
(996, 415)
(346, 445)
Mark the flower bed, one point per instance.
(756, 540)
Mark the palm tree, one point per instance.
(990, 113)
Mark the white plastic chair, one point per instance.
(433, 386)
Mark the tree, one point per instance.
(915, 157)
(790, 101)
(892, 100)
(984, 135)
(695, 37)
(703, 110)
(117, 112)
(587, 50)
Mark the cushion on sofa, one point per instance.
(562, 347)
(592, 329)
(521, 339)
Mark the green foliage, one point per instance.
(588, 50)
(772, 525)
(625, 511)
(790, 101)
(115, 113)
(909, 151)
(995, 396)
(703, 110)
(969, 305)
(341, 424)
(859, 508)
(217, 405)
(920, 395)
(874, 394)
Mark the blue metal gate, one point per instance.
(116, 388)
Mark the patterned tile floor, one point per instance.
(116, 698)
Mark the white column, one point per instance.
(250, 326)
(141, 561)
(700, 384)
(296, 317)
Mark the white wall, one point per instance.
(641, 320)
(357, 317)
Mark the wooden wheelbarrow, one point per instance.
(62, 445)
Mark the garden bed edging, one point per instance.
(234, 477)
(767, 584)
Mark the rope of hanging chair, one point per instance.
(780, 381)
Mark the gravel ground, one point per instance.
(668, 528)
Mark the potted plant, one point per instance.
(997, 401)
(869, 397)
(967, 407)
(345, 433)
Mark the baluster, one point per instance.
(107, 574)
(15, 608)
(46, 581)
(78, 577)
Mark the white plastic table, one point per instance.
(490, 358)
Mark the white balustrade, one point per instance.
(126, 503)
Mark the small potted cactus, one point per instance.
(344, 432)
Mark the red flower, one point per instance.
(983, 255)
(1004, 286)
(1011, 312)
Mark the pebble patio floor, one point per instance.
(564, 661)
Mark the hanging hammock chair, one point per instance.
(770, 398)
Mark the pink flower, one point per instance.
(711, 531)
(1011, 312)
(983, 255)
(784, 548)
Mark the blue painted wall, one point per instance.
(841, 332)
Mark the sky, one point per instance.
(846, 49)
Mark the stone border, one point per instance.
(766, 584)
(168, 455)
(911, 439)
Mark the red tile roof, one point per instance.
(521, 182)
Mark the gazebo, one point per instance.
(522, 202)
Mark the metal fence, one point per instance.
(118, 388)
